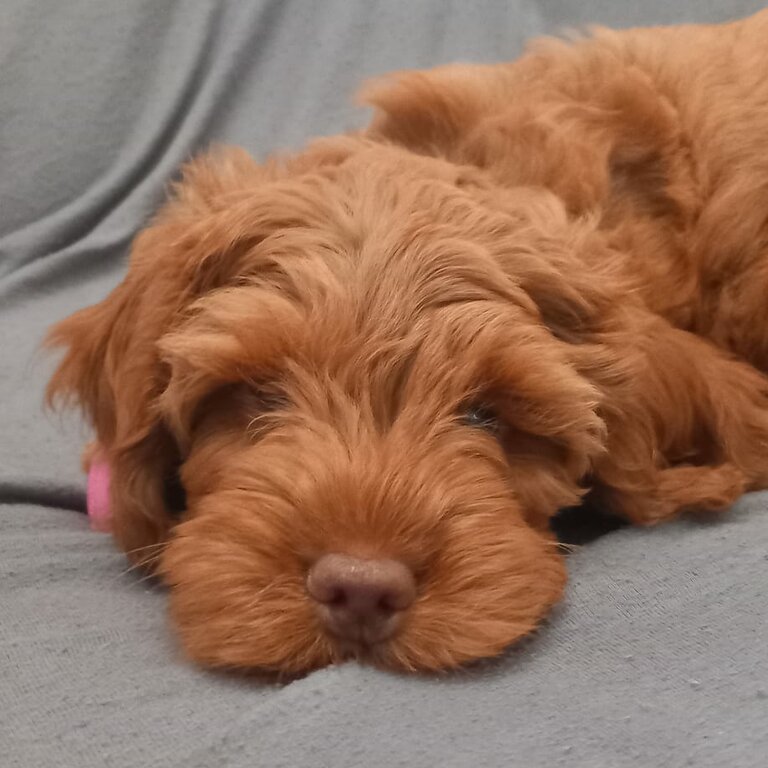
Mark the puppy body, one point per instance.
(418, 343)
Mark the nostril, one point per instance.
(338, 598)
(387, 604)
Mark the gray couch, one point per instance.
(656, 658)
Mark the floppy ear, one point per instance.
(686, 424)
(112, 367)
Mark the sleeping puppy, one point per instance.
(379, 367)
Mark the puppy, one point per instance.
(381, 366)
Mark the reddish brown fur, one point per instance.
(579, 239)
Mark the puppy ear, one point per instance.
(113, 368)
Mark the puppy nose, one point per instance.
(361, 600)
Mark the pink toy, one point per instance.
(98, 495)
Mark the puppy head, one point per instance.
(361, 355)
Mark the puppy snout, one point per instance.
(361, 600)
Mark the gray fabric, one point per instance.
(656, 658)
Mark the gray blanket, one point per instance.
(657, 657)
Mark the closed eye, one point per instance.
(268, 400)
(261, 402)
(481, 417)
(245, 404)
(516, 442)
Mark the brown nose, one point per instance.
(361, 600)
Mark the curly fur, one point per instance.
(578, 239)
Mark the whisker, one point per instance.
(148, 546)
(143, 563)
(278, 581)
(146, 577)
